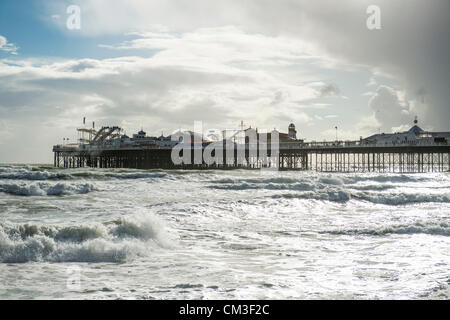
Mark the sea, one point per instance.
(234, 234)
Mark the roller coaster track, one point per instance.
(106, 133)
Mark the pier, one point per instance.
(411, 151)
(324, 157)
(401, 159)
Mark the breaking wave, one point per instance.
(333, 196)
(400, 198)
(268, 186)
(387, 190)
(328, 179)
(116, 241)
(45, 189)
(440, 292)
(373, 197)
(442, 229)
(393, 178)
(258, 181)
(38, 173)
(26, 174)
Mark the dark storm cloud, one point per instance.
(329, 90)
(411, 47)
(246, 67)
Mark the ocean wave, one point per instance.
(115, 241)
(442, 229)
(28, 174)
(328, 179)
(331, 180)
(46, 189)
(335, 189)
(392, 178)
(256, 180)
(38, 173)
(267, 186)
(320, 181)
(119, 175)
(66, 233)
(333, 196)
(300, 186)
(400, 198)
(141, 228)
(440, 292)
(373, 197)
(371, 187)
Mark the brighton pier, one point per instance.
(410, 151)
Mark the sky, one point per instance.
(160, 65)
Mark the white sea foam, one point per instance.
(442, 229)
(142, 226)
(341, 195)
(10, 172)
(390, 232)
(398, 198)
(331, 180)
(45, 188)
(114, 241)
(25, 174)
(390, 191)
(327, 195)
(267, 186)
(440, 291)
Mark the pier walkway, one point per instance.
(348, 156)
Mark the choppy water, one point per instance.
(222, 234)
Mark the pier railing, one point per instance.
(336, 156)
(282, 145)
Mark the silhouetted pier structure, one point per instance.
(325, 156)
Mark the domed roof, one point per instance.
(292, 125)
(416, 129)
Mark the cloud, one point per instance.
(224, 45)
(342, 135)
(7, 46)
(268, 61)
(372, 82)
(195, 76)
(410, 48)
(389, 110)
(330, 89)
